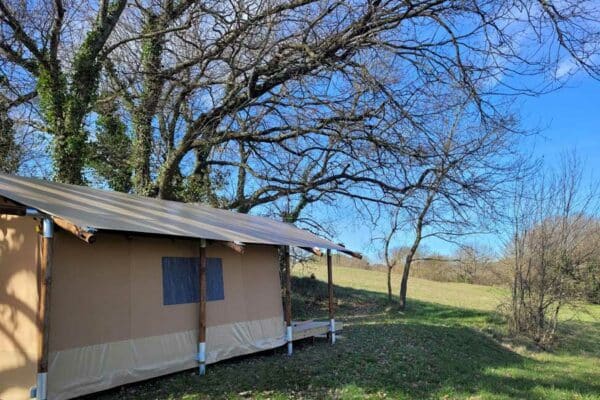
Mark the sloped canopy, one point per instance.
(96, 209)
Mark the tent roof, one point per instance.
(96, 209)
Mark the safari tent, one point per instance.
(100, 289)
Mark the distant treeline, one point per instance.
(469, 265)
(442, 268)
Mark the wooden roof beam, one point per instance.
(351, 253)
(238, 247)
(87, 236)
(315, 250)
(8, 207)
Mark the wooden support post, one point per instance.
(330, 290)
(202, 309)
(288, 298)
(44, 307)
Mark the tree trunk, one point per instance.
(169, 174)
(140, 156)
(389, 283)
(65, 102)
(413, 249)
(71, 146)
(201, 187)
(390, 260)
(144, 113)
(67, 149)
(406, 271)
(10, 151)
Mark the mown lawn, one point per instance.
(448, 344)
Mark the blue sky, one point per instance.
(567, 119)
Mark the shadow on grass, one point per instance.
(310, 300)
(580, 338)
(425, 352)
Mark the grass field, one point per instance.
(448, 344)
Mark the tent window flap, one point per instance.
(180, 280)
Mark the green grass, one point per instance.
(461, 295)
(447, 344)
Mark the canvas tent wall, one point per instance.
(18, 306)
(111, 322)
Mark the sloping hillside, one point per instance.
(447, 345)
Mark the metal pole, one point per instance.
(202, 311)
(44, 306)
(288, 300)
(330, 290)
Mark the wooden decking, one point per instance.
(307, 329)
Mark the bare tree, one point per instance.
(552, 225)
(467, 167)
(391, 255)
(473, 260)
(419, 224)
(259, 103)
(323, 80)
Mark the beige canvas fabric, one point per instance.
(109, 325)
(88, 369)
(105, 210)
(18, 307)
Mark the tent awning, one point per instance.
(96, 209)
